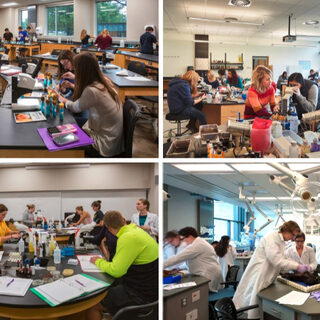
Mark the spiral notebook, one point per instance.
(62, 290)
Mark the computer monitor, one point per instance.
(74, 219)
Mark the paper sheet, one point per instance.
(294, 298)
(137, 78)
(86, 265)
(180, 285)
(17, 287)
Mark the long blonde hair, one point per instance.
(83, 34)
(192, 78)
(210, 76)
(257, 75)
(105, 33)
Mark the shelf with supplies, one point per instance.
(226, 65)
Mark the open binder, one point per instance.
(66, 289)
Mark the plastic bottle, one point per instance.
(61, 111)
(122, 44)
(294, 122)
(45, 82)
(48, 246)
(293, 150)
(217, 97)
(34, 243)
(21, 246)
(54, 108)
(47, 108)
(57, 255)
(52, 246)
(31, 247)
(43, 105)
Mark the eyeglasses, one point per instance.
(64, 62)
(182, 238)
(299, 240)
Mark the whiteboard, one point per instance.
(54, 204)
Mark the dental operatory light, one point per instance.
(240, 3)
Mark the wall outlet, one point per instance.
(183, 302)
(192, 315)
(195, 296)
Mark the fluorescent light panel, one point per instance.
(224, 21)
(254, 167)
(8, 4)
(302, 166)
(209, 168)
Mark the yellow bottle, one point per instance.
(52, 246)
(31, 248)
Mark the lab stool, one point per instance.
(177, 118)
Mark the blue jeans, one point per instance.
(195, 112)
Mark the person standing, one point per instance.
(265, 265)
(200, 258)
(84, 37)
(144, 219)
(226, 254)
(7, 36)
(147, 40)
(22, 34)
(28, 217)
(301, 253)
(104, 40)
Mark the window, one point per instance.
(112, 15)
(23, 18)
(228, 220)
(60, 21)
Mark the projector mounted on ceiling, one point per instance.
(289, 37)
(240, 3)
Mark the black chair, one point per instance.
(145, 312)
(137, 67)
(230, 287)
(130, 117)
(226, 310)
(177, 118)
(145, 112)
(55, 52)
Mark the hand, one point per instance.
(15, 236)
(276, 109)
(146, 228)
(68, 75)
(60, 97)
(67, 84)
(296, 91)
(302, 268)
(94, 258)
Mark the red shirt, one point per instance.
(104, 43)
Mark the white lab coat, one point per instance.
(227, 259)
(169, 251)
(263, 268)
(308, 256)
(152, 221)
(201, 260)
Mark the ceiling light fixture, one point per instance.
(208, 168)
(240, 3)
(311, 22)
(9, 4)
(225, 21)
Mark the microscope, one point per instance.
(286, 101)
(82, 235)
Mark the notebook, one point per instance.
(66, 289)
(14, 286)
(86, 265)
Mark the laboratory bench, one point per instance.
(242, 262)
(270, 309)
(12, 47)
(179, 303)
(31, 306)
(123, 58)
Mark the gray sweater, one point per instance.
(105, 123)
(309, 104)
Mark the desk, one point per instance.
(32, 307)
(123, 59)
(128, 88)
(220, 113)
(173, 299)
(23, 140)
(48, 47)
(48, 60)
(310, 310)
(13, 48)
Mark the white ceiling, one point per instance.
(225, 186)
(24, 3)
(273, 13)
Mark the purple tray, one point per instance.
(84, 140)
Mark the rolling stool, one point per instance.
(177, 118)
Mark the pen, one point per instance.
(80, 283)
(8, 284)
